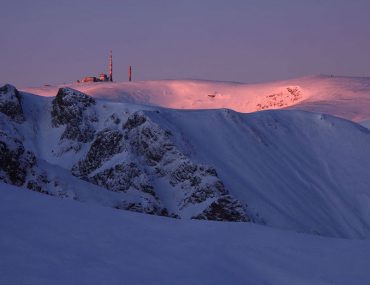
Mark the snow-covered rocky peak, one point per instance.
(68, 97)
(10, 103)
(295, 170)
(140, 157)
(74, 110)
(108, 147)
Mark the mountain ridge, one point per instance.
(346, 97)
(288, 169)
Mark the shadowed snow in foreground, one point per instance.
(45, 240)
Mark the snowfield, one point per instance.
(162, 183)
(295, 170)
(45, 240)
(346, 97)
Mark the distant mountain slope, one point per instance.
(293, 169)
(346, 97)
(49, 241)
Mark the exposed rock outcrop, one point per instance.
(74, 110)
(122, 177)
(225, 208)
(143, 143)
(194, 183)
(146, 206)
(10, 103)
(107, 143)
(281, 99)
(18, 166)
(147, 139)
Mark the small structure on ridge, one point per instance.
(102, 76)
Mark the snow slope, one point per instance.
(366, 124)
(45, 240)
(293, 169)
(346, 97)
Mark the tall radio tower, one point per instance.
(110, 67)
(129, 73)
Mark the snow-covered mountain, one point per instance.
(285, 168)
(285, 176)
(346, 97)
(111, 146)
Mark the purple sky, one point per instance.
(49, 41)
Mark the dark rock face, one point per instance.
(73, 109)
(197, 182)
(130, 179)
(10, 103)
(14, 160)
(38, 182)
(183, 172)
(69, 105)
(145, 154)
(225, 208)
(192, 176)
(125, 177)
(19, 166)
(204, 192)
(134, 121)
(106, 144)
(146, 139)
(202, 183)
(144, 207)
(122, 177)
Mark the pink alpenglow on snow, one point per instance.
(346, 97)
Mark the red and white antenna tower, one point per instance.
(110, 67)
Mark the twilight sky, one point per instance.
(50, 41)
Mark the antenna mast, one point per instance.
(110, 67)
